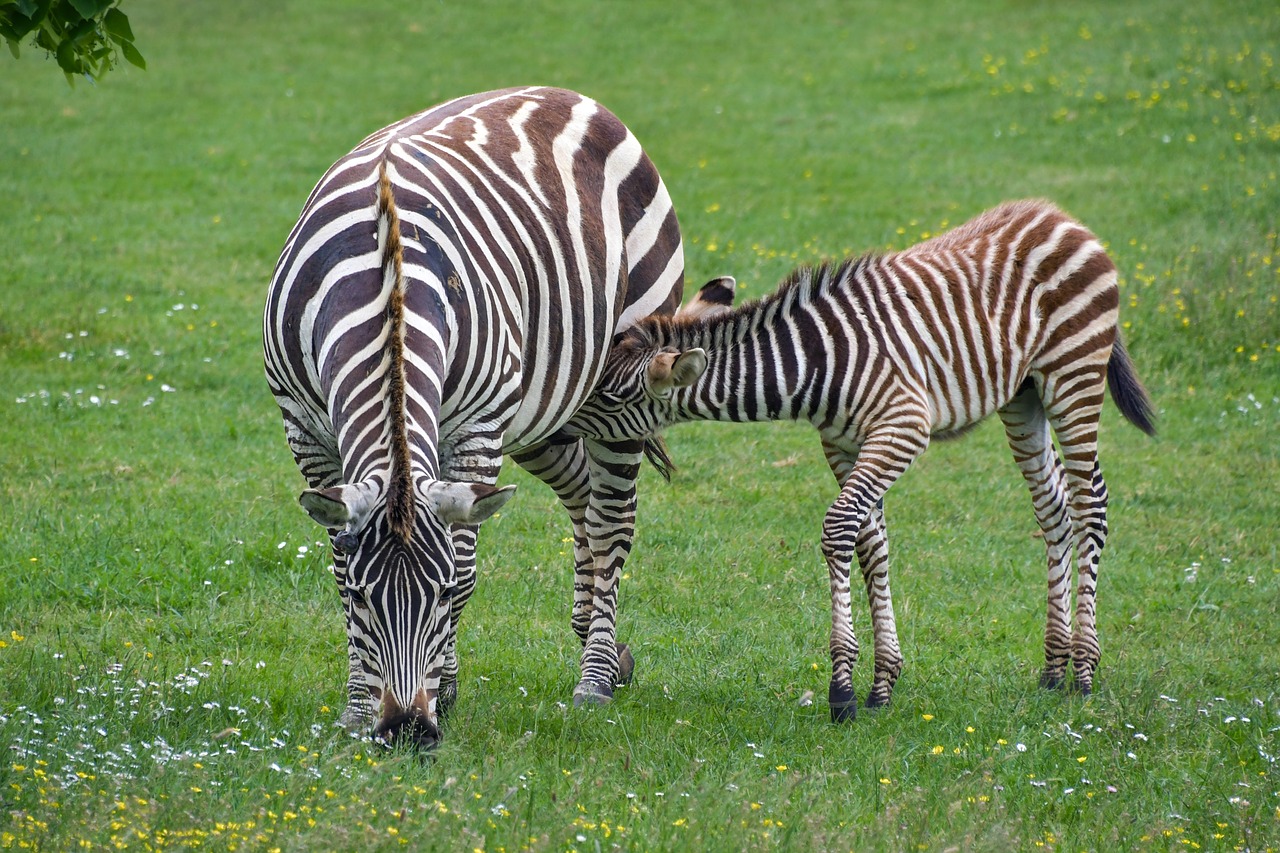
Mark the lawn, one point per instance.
(172, 659)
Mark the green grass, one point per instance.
(172, 660)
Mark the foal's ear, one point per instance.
(714, 297)
(670, 370)
(338, 507)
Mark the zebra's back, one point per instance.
(972, 314)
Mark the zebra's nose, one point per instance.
(413, 726)
(409, 727)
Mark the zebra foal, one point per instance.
(1013, 312)
(446, 297)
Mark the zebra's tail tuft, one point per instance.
(1126, 390)
(655, 450)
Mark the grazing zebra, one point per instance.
(446, 297)
(1014, 312)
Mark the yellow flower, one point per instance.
(927, 717)
(937, 750)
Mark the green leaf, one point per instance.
(28, 7)
(13, 47)
(81, 31)
(68, 60)
(90, 8)
(131, 54)
(117, 24)
(18, 25)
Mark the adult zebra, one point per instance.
(1014, 312)
(446, 297)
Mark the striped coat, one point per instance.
(1012, 313)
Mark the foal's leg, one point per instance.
(1027, 429)
(1073, 405)
(882, 459)
(872, 548)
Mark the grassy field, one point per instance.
(171, 648)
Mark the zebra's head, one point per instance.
(636, 395)
(394, 559)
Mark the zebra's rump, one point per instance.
(533, 228)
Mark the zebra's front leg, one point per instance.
(847, 530)
(464, 549)
(610, 525)
(359, 713)
(873, 559)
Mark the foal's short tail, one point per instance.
(1127, 391)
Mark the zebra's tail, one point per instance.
(655, 450)
(1127, 391)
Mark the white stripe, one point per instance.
(657, 294)
(524, 158)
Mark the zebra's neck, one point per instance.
(762, 363)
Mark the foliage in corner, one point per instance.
(84, 36)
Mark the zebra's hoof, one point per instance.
(590, 694)
(1082, 688)
(876, 701)
(355, 718)
(447, 697)
(1051, 681)
(626, 665)
(843, 703)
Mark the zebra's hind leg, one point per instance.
(564, 468)
(882, 459)
(1027, 430)
(610, 525)
(1073, 411)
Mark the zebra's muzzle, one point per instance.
(410, 727)
(413, 726)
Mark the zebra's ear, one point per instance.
(344, 507)
(670, 370)
(466, 503)
(714, 297)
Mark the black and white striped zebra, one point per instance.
(1014, 313)
(446, 297)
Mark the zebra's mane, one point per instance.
(400, 488)
(736, 324)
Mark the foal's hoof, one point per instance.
(588, 694)
(843, 704)
(626, 665)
